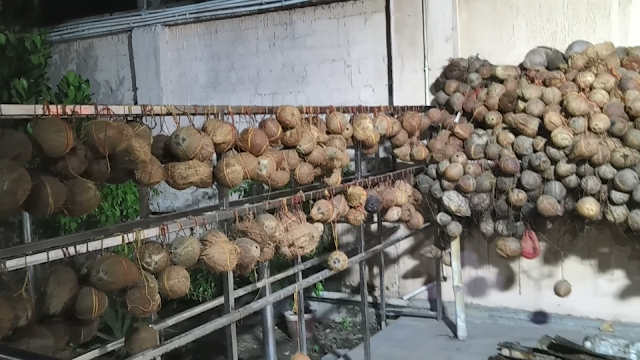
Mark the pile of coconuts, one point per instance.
(557, 135)
(73, 161)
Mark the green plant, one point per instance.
(346, 323)
(204, 285)
(318, 289)
(73, 89)
(116, 318)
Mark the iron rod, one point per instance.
(381, 266)
(227, 284)
(60, 247)
(302, 330)
(268, 324)
(11, 110)
(27, 235)
(458, 289)
(362, 267)
(202, 330)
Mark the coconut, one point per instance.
(107, 137)
(304, 173)
(411, 122)
(160, 148)
(143, 301)
(266, 168)
(248, 256)
(17, 185)
(356, 196)
(150, 173)
(508, 247)
(288, 116)
(356, 216)
(300, 239)
(272, 129)
(223, 134)
(7, 317)
(185, 174)
(61, 332)
(90, 303)
(140, 338)
(253, 141)
(588, 208)
(54, 136)
(456, 204)
(47, 196)
(35, 339)
(23, 309)
(73, 164)
(15, 145)
(562, 288)
(220, 255)
(153, 257)
(334, 179)
(174, 282)
(97, 170)
(322, 211)
(82, 197)
(112, 273)
(338, 261)
(185, 251)
(59, 289)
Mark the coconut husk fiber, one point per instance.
(222, 133)
(35, 339)
(185, 174)
(47, 196)
(121, 169)
(53, 135)
(185, 143)
(113, 272)
(91, 303)
(98, 170)
(139, 150)
(73, 164)
(7, 317)
(208, 149)
(271, 226)
(299, 240)
(304, 173)
(185, 251)
(59, 288)
(153, 257)
(83, 197)
(15, 145)
(143, 301)
(220, 255)
(141, 131)
(174, 282)
(141, 338)
(104, 138)
(81, 332)
(150, 173)
(16, 185)
(254, 231)
(229, 172)
(249, 253)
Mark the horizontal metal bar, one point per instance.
(11, 353)
(209, 305)
(18, 111)
(257, 305)
(64, 247)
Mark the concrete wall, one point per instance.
(336, 55)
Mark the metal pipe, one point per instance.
(381, 267)
(130, 231)
(418, 291)
(202, 330)
(27, 235)
(268, 324)
(338, 297)
(362, 267)
(425, 43)
(302, 327)
(458, 289)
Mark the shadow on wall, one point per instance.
(105, 61)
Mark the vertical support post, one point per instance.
(27, 239)
(227, 283)
(268, 324)
(458, 289)
(362, 265)
(302, 328)
(381, 269)
(439, 289)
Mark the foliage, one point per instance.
(204, 285)
(116, 318)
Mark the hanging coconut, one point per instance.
(73, 164)
(143, 301)
(304, 173)
(229, 172)
(160, 148)
(59, 289)
(356, 196)
(104, 137)
(289, 117)
(98, 170)
(153, 257)
(112, 273)
(253, 141)
(185, 251)
(322, 211)
(90, 303)
(140, 338)
(562, 288)
(82, 198)
(16, 185)
(7, 317)
(174, 282)
(220, 256)
(35, 339)
(185, 174)
(338, 261)
(47, 196)
(54, 136)
(139, 149)
(150, 173)
(15, 145)
(248, 255)
(141, 131)
(356, 216)
(185, 143)
(508, 247)
(61, 333)
(23, 308)
(222, 133)
(337, 122)
(272, 129)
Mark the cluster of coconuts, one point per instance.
(557, 135)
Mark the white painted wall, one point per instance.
(336, 55)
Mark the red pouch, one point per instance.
(530, 245)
